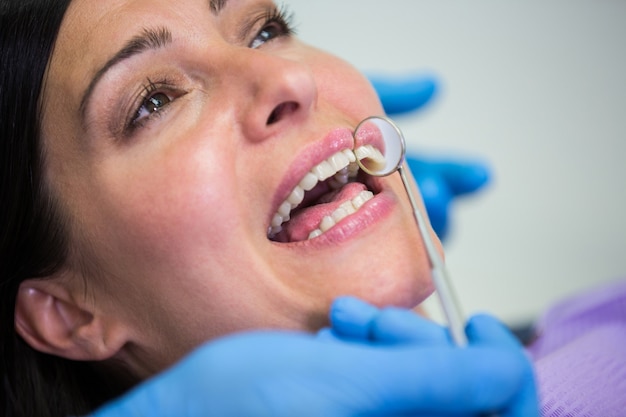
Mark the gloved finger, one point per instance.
(395, 325)
(402, 94)
(478, 379)
(437, 198)
(462, 176)
(465, 177)
(440, 181)
(486, 330)
(350, 317)
(354, 318)
(327, 334)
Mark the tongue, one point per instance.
(304, 221)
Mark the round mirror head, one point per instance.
(378, 146)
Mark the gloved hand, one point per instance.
(390, 372)
(355, 320)
(403, 94)
(440, 181)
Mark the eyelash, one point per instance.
(149, 91)
(277, 23)
(278, 18)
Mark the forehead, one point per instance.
(93, 29)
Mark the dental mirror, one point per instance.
(379, 147)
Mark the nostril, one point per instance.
(281, 111)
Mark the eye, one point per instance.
(276, 23)
(266, 34)
(151, 104)
(155, 98)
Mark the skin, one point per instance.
(168, 225)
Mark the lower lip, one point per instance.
(371, 214)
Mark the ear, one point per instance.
(52, 321)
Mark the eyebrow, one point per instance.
(148, 39)
(217, 6)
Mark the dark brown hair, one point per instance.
(33, 240)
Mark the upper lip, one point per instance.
(336, 140)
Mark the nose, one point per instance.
(277, 93)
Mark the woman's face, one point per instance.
(174, 132)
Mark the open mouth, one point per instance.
(331, 191)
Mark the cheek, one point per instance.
(160, 210)
(356, 96)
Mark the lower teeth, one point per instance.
(344, 210)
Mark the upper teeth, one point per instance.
(341, 166)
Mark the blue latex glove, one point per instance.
(353, 319)
(403, 94)
(385, 374)
(440, 181)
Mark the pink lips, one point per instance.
(335, 141)
(307, 219)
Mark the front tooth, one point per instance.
(296, 196)
(338, 161)
(358, 201)
(327, 223)
(339, 214)
(349, 154)
(308, 182)
(362, 198)
(285, 209)
(323, 171)
(315, 233)
(348, 207)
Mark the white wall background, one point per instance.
(537, 89)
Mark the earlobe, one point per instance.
(50, 321)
